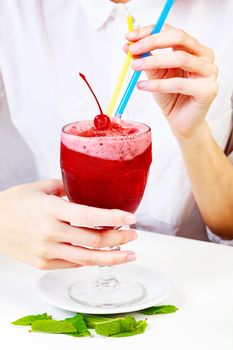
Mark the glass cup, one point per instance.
(106, 172)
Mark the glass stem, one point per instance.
(106, 277)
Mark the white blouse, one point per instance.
(43, 46)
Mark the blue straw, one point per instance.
(157, 28)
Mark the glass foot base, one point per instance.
(122, 292)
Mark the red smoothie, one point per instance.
(106, 169)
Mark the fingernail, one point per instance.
(131, 257)
(133, 236)
(138, 63)
(136, 48)
(141, 84)
(126, 47)
(130, 219)
(132, 34)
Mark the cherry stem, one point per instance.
(85, 79)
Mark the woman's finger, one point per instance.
(53, 264)
(176, 59)
(51, 187)
(201, 90)
(139, 33)
(175, 38)
(81, 215)
(94, 238)
(90, 257)
(143, 32)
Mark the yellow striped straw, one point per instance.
(122, 75)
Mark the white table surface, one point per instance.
(202, 274)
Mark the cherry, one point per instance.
(101, 121)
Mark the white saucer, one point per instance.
(54, 284)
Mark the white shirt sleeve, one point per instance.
(16, 159)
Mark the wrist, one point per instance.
(198, 136)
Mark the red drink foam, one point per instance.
(120, 142)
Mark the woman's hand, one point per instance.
(35, 227)
(184, 83)
(183, 80)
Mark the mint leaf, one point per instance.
(139, 329)
(27, 320)
(118, 325)
(79, 324)
(141, 326)
(53, 326)
(156, 310)
(91, 321)
(76, 335)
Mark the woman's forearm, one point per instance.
(211, 175)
